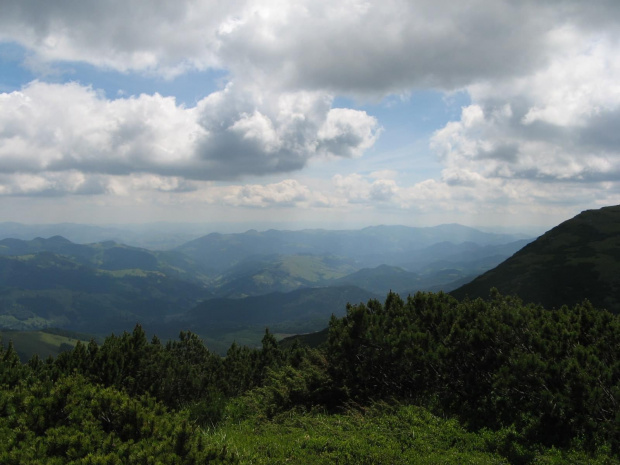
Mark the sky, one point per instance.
(309, 113)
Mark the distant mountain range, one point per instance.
(166, 236)
(110, 256)
(369, 247)
(233, 284)
(229, 287)
(578, 259)
(153, 236)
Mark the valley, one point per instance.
(256, 337)
(230, 287)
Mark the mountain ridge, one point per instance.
(371, 246)
(576, 260)
(109, 286)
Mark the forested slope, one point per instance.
(426, 380)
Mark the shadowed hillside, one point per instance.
(577, 260)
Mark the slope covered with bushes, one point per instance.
(424, 380)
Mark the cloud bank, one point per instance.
(58, 128)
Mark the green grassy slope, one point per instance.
(280, 273)
(42, 343)
(405, 435)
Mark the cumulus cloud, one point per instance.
(356, 188)
(547, 140)
(160, 37)
(556, 125)
(348, 46)
(54, 127)
(287, 193)
(542, 78)
(68, 127)
(347, 132)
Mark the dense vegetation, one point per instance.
(428, 379)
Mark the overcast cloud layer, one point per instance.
(539, 135)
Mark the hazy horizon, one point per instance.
(203, 228)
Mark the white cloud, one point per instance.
(285, 193)
(542, 77)
(58, 128)
(52, 127)
(347, 132)
(160, 37)
(356, 188)
(77, 183)
(556, 125)
(352, 46)
(52, 184)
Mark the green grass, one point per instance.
(314, 269)
(250, 337)
(128, 272)
(381, 434)
(44, 344)
(405, 435)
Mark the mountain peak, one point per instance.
(59, 240)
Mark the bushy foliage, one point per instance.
(553, 374)
(72, 421)
(505, 382)
(301, 386)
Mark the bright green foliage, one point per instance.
(74, 422)
(382, 434)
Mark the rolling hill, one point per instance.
(109, 255)
(302, 310)
(369, 247)
(44, 343)
(231, 286)
(44, 290)
(280, 273)
(578, 259)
